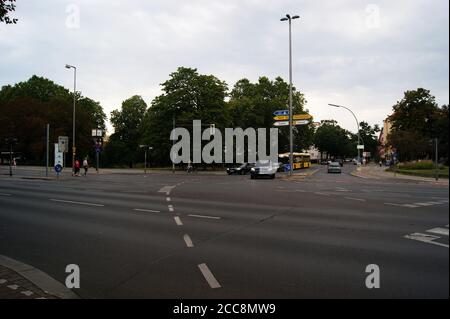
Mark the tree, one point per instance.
(27, 107)
(332, 139)
(127, 131)
(6, 7)
(253, 105)
(369, 137)
(187, 96)
(417, 120)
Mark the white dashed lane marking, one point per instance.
(356, 199)
(4, 194)
(171, 209)
(205, 217)
(178, 221)
(75, 203)
(146, 210)
(188, 241)
(416, 205)
(212, 281)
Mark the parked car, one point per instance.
(334, 167)
(243, 169)
(264, 168)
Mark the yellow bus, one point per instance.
(301, 160)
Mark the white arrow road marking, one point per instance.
(429, 239)
(188, 241)
(76, 203)
(166, 189)
(212, 281)
(439, 231)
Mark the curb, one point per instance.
(42, 280)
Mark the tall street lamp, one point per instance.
(357, 126)
(74, 149)
(291, 134)
(146, 148)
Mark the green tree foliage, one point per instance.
(369, 137)
(253, 105)
(187, 96)
(27, 107)
(418, 119)
(332, 139)
(123, 146)
(6, 7)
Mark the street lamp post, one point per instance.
(11, 141)
(73, 117)
(146, 148)
(291, 134)
(357, 126)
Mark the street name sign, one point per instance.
(302, 122)
(296, 117)
(282, 123)
(281, 113)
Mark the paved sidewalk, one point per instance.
(21, 281)
(14, 286)
(377, 172)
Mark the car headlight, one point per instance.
(253, 170)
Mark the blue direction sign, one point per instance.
(281, 113)
(58, 168)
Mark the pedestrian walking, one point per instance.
(77, 168)
(85, 166)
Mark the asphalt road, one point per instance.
(200, 236)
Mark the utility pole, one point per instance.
(74, 149)
(436, 141)
(48, 151)
(173, 143)
(291, 126)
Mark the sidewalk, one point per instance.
(22, 281)
(377, 172)
(38, 172)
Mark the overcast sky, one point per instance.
(363, 54)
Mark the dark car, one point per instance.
(334, 167)
(243, 169)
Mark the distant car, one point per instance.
(334, 167)
(264, 168)
(243, 169)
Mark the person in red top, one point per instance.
(77, 168)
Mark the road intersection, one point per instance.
(213, 236)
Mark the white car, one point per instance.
(264, 168)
